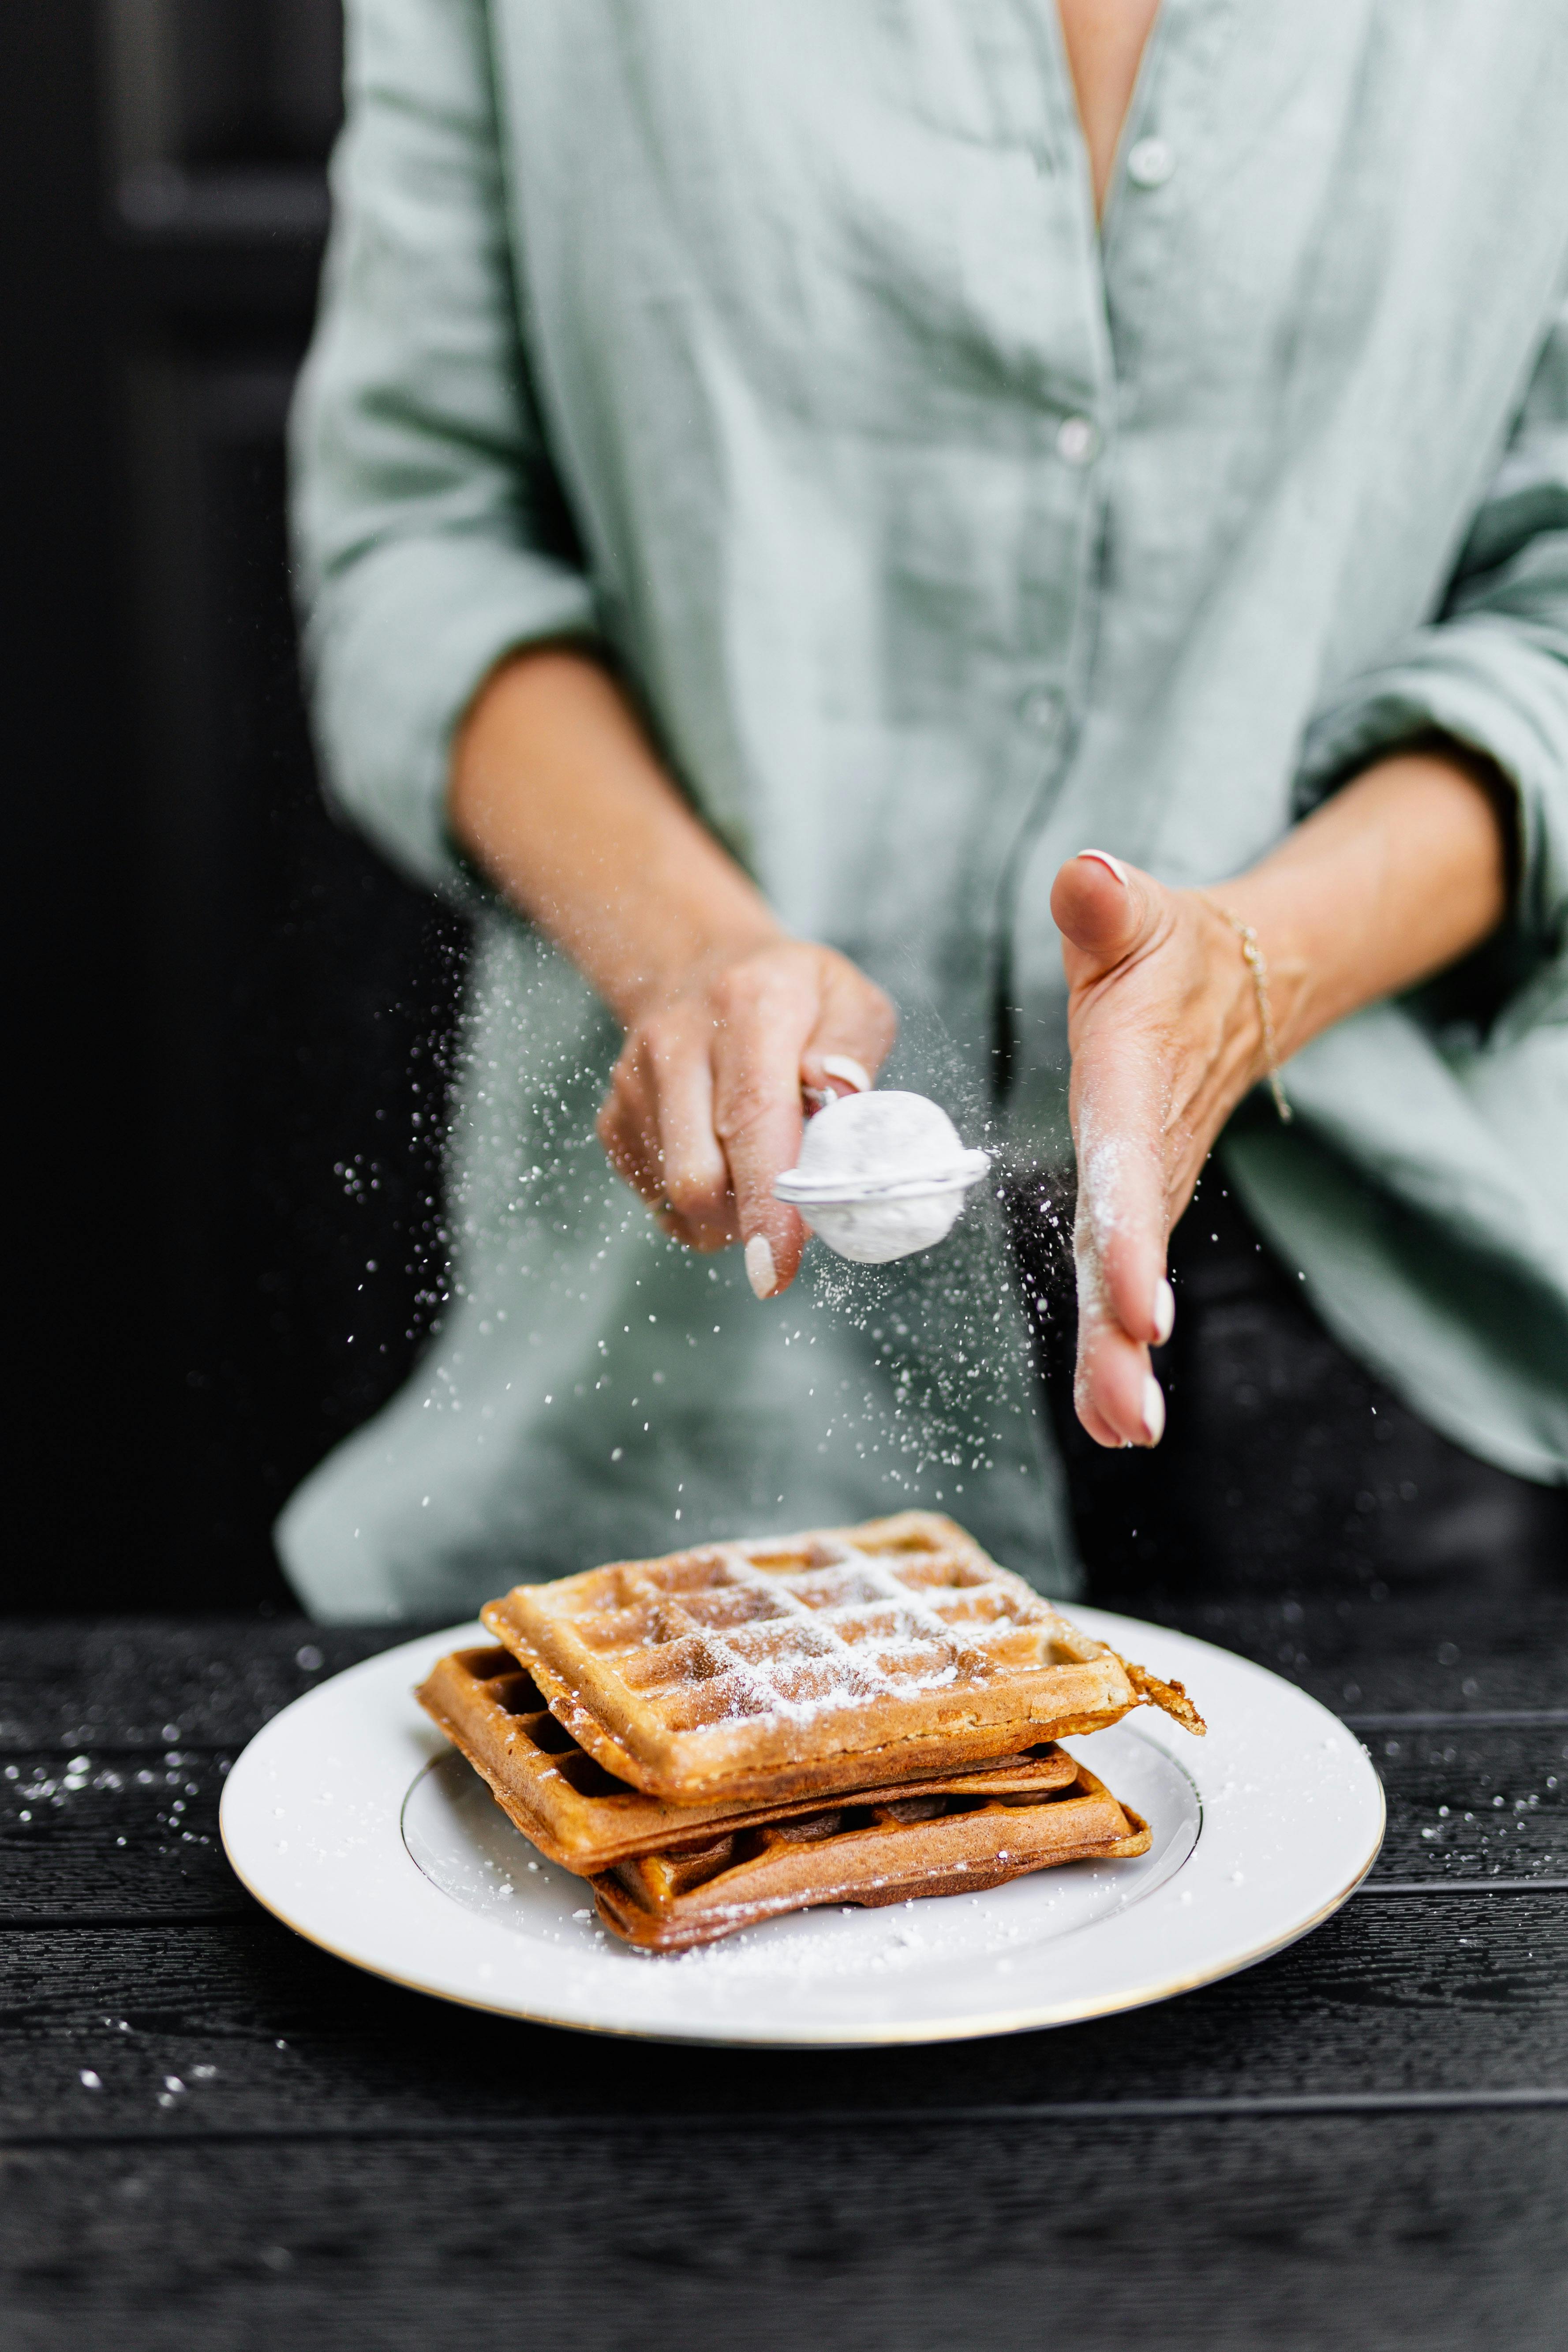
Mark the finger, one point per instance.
(1108, 1385)
(842, 1075)
(1118, 1399)
(695, 1178)
(1123, 1211)
(1091, 1328)
(842, 1070)
(624, 1129)
(1104, 1433)
(1104, 909)
(851, 1036)
(1120, 1241)
(757, 1063)
(627, 1128)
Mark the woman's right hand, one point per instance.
(559, 796)
(704, 1108)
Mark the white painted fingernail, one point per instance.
(760, 1271)
(1164, 1312)
(853, 1073)
(1113, 865)
(1153, 1410)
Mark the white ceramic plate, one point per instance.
(352, 1818)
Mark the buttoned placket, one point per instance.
(1049, 710)
(1148, 162)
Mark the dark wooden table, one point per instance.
(216, 2137)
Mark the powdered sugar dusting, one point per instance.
(792, 1630)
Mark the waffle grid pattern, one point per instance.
(818, 1663)
(740, 1630)
(580, 1815)
(867, 1852)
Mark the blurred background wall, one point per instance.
(231, 1019)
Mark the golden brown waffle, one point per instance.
(867, 1851)
(573, 1810)
(804, 1665)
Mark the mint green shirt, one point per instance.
(774, 347)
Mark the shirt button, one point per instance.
(1077, 440)
(1038, 708)
(1149, 164)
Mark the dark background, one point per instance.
(231, 1022)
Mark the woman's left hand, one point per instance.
(1166, 1037)
(1402, 871)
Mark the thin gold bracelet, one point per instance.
(1257, 965)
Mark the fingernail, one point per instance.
(1164, 1312)
(1113, 865)
(1153, 1410)
(853, 1073)
(760, 1271)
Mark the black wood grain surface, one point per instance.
(213, 2135)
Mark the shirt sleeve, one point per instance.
(430, 536)
(1492, 672)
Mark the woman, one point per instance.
(774, 483)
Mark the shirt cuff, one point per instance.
(399, 647)
(1489, 686)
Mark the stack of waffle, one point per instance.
(854, 1717)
